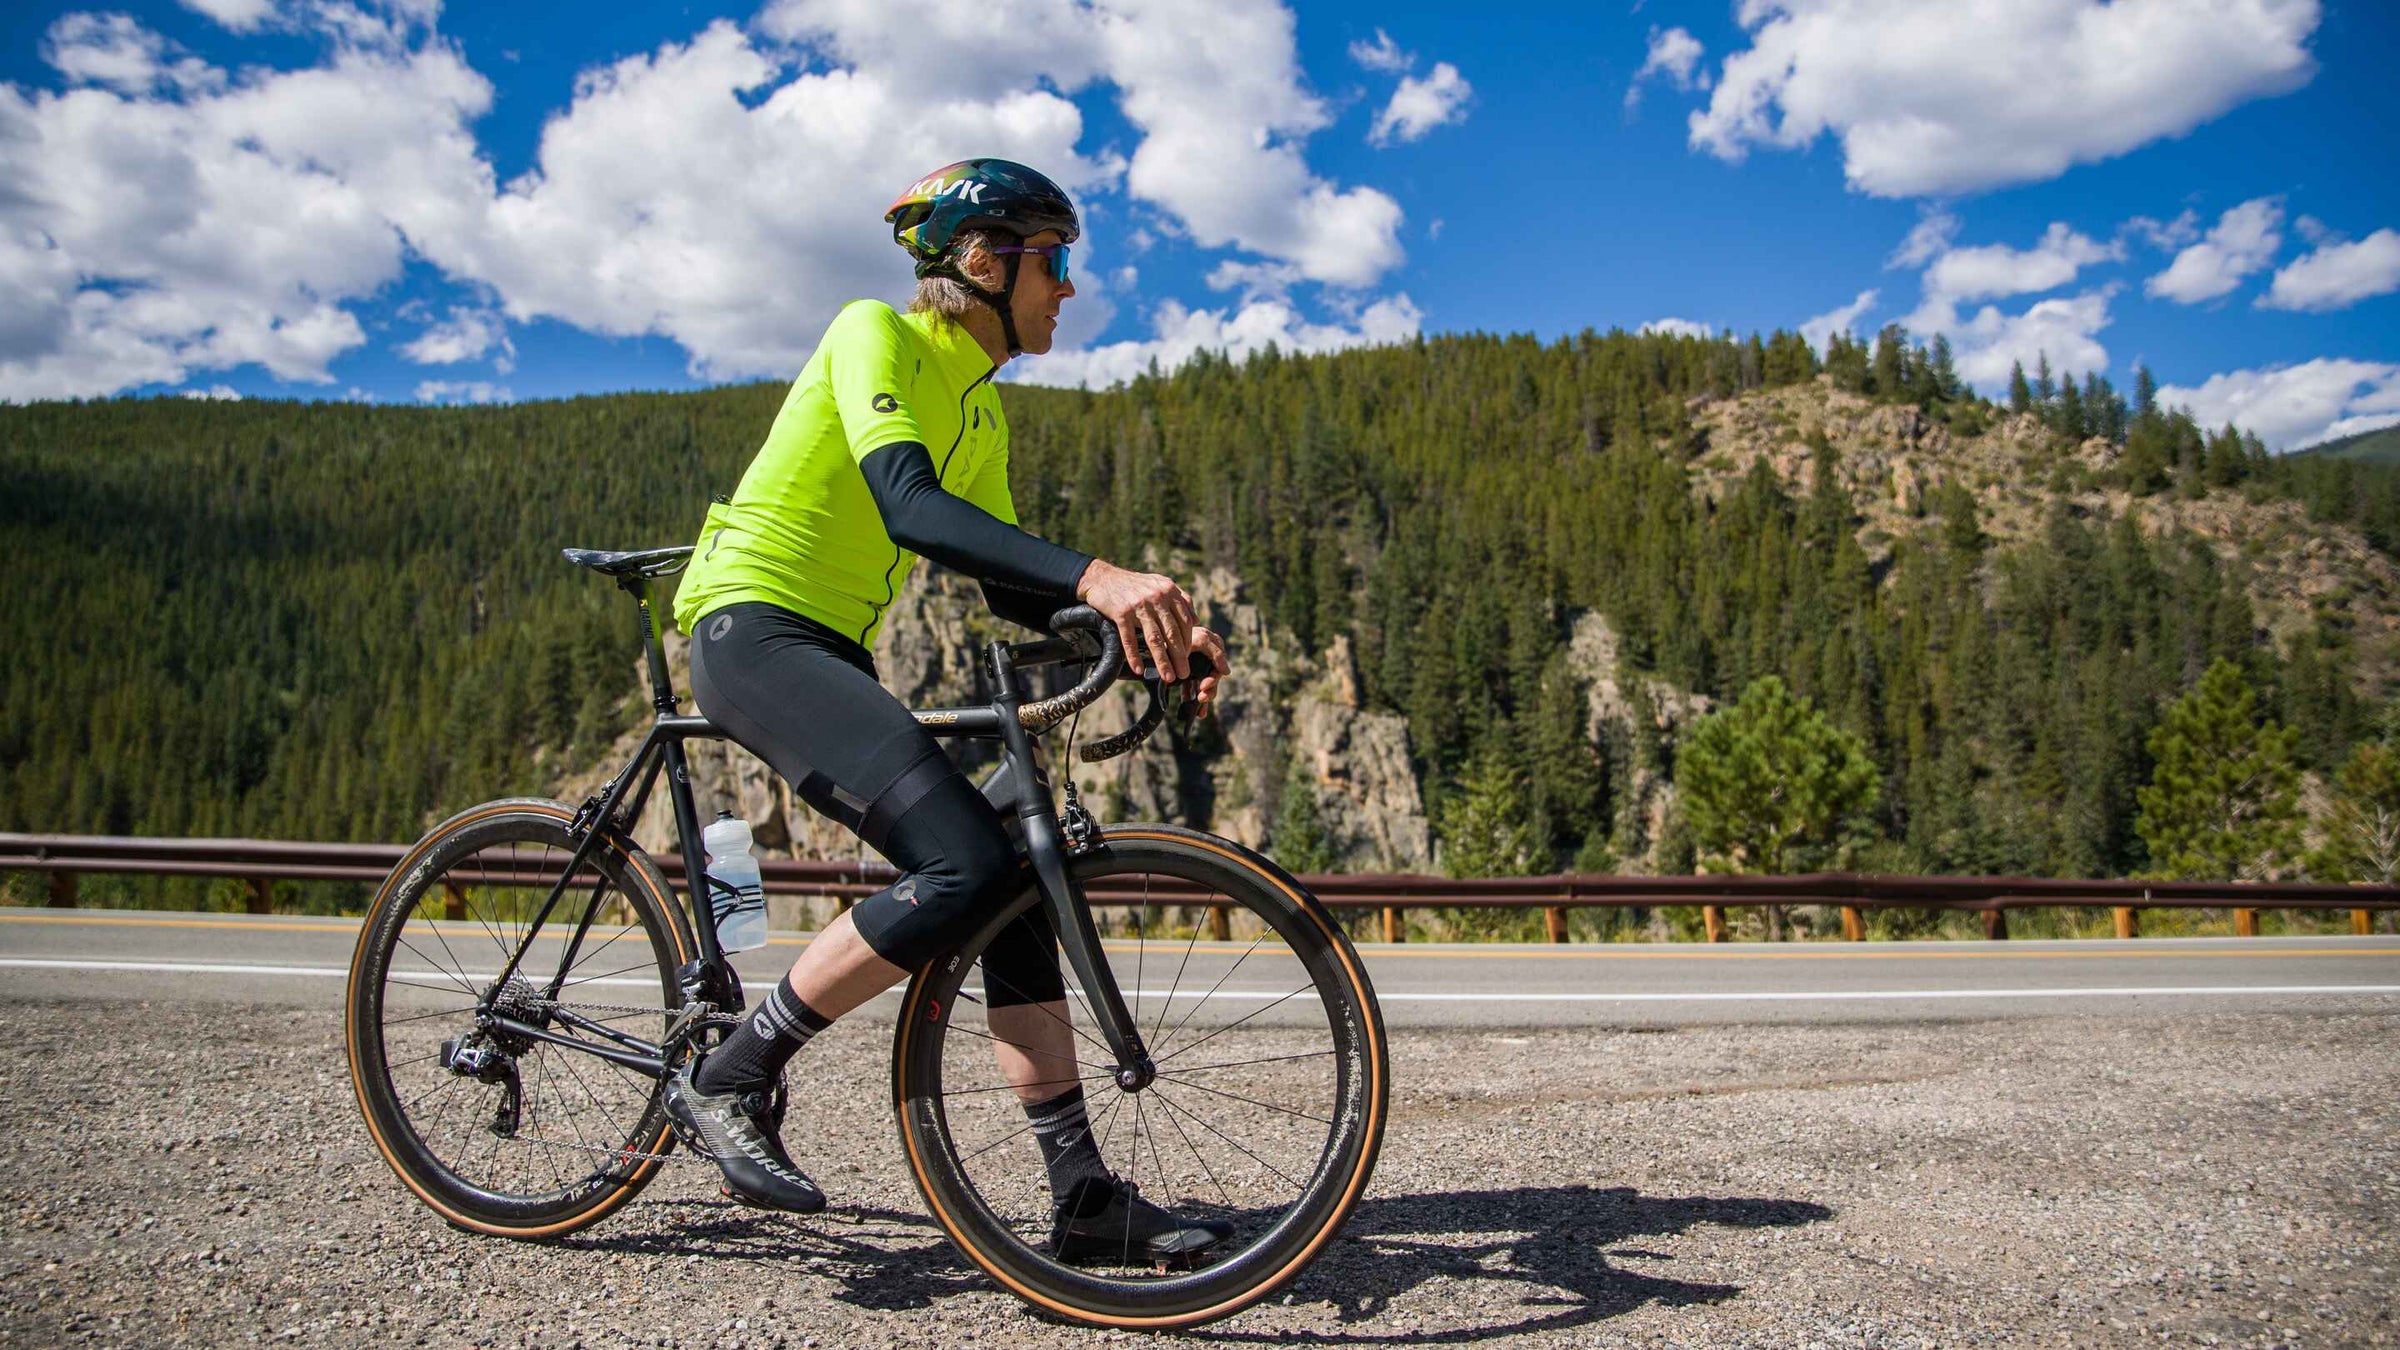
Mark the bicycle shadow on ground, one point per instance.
(882, 1260)
(1562, 1247)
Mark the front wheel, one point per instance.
(1266, 1112)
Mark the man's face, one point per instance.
(1038, 296)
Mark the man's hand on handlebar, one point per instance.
(1204, 693)
(1151, 612)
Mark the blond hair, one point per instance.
(943, 293)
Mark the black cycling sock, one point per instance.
(1064, 1131)
(759, 1048)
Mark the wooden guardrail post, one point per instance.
(454, 902)
(1393, 929)
(2245, 922)
(1995, 924)
(258, 895)
(1554, 918)
(1220, 924)
(2127, 926)
(62, 890)
(2362, 921)
(1854, 924)
(1712, 917)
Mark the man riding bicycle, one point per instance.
(891, 445)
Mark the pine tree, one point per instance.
(1486, 829)
(2223, 801)
(1767, 777)
(2362, 831)
(1945, 369)
(1302, 843)
(2145, 393)
(2020, 394)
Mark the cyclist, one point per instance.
(891, 445)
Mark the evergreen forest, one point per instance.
(336, 621)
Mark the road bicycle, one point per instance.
(527, 979)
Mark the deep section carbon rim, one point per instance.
(503, 1132)
(1265, 1113)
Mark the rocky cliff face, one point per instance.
(1891, 457)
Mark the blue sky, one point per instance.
(389, 200)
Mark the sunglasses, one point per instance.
(1055, 255)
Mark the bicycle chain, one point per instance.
(628, 1155)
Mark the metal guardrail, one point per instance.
(258, 863)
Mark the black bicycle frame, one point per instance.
(1017, 786)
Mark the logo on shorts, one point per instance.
(906, 890)
(884, 403)
(721, 627)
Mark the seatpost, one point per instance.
(1069, 916)
(662, 690)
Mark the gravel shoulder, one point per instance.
(180, 1174)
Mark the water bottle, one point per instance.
(736, 898)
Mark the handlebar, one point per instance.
(1080, 626)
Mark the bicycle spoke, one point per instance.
(1141, 947)
(1169, 1002)
(1197, 1157)
(1220, 1092)
(1212, 991)
(419, 1017)
(1105, 1070)
(1239, 1063)
(1203, 1123)
(1238, 1021)
(1044, 1009)
(459, 973)
(1041, 1082)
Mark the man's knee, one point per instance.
(959, 867)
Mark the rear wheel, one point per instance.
(505, 1133)
(1266, 1112)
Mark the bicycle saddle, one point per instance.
(648, 562)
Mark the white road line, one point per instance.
(1759, 996)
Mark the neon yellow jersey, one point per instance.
(802, 531)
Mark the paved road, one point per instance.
(298, 962)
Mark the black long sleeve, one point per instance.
(925, 518)
(1024, 605)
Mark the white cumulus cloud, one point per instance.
(1936, 99)
(1420, 105)
(159, 217)
(1382, 54)
(1820, 329)
(465, 336)
(2243, 240)
(1674, 327)
(462, 392)
(1986, 342)
(1674, 56)
(2336, 276)
(1932, 234)
(1180, 333)
(1993, 270)
(2297, 405)
(153, 226)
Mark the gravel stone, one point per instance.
(180, 1174)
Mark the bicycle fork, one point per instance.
(1070, 918)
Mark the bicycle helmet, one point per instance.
(979, 193)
